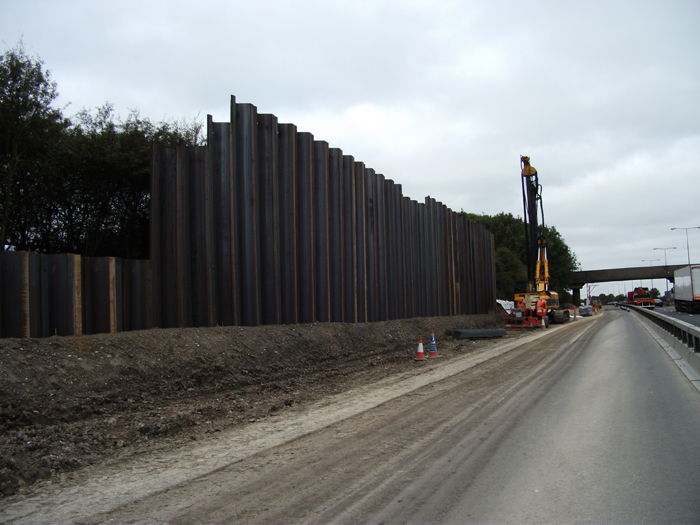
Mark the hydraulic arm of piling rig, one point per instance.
(537, 285)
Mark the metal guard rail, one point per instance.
(683, 337)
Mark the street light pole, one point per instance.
(652, 280)
(666, 263)
(687, 245)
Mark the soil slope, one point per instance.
(68, 402)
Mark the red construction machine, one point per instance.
(640, 297)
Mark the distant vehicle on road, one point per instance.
(640, 297)
(687, 288)
(658, 303)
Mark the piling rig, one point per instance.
(536, 287)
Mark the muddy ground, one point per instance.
(68, 402)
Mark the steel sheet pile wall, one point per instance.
(66, 294)
(266, 225)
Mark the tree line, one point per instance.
(654, 293)
(78, 184)
(511, 255)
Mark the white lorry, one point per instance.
(687, 288)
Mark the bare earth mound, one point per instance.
(67, 402)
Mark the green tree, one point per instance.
(509, 240)
(104, 202)
(105, 164)
(509, 269)
(562, 261)
(508, 231)
(606, 298)
(80, 186)
(30, 128)
(654, 293)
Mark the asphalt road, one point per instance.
(670, 311)
(590, 423)
(609, 433)
(613, 439)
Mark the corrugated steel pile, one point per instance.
(264, 225)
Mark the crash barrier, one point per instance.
(683, 337)
(266, 225)
(65, 294)
(263, 225)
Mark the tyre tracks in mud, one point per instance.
(325, 462)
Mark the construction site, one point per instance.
(281, 271)
(72, 402)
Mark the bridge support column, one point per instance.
(576, 293)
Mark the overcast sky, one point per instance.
(441, 96)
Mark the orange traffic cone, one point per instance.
(421, 354)
(543, 326)
(433, 347)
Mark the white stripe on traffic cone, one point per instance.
(421, 354)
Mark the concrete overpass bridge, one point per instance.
(583, 277)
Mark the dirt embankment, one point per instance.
(67, 402)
